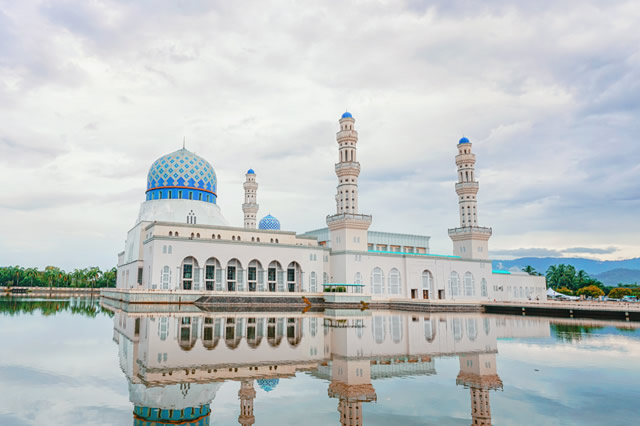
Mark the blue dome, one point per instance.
(347, 114)
(464, 140)
(268, 385)
(182, 175)
(269, 222)
(251, 172)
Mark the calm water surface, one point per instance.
(67, 362)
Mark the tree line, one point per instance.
(566, 280)
(51, 276)
(16, 306)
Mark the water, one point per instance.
(72, 362)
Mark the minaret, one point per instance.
(246, 394)
(347, 169)
(478, 373)
(250, 206)
(470, 241)
(348, 228)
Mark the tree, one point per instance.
(619, 293)
(590, 290)
(531, 270)
(565, 290)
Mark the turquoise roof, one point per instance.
(268, 385)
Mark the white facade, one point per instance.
(186, 244)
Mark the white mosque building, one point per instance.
(181, 242)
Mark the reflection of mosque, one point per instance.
(175, 363)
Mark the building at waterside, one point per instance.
(182, 242)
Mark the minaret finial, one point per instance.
(184, 141)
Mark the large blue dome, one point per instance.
(463, 140)
(268, 385)
(269, 222)
(182, 175)
(347, 114)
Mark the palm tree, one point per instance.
(531, 270)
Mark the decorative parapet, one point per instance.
(353, 166)
(470, 230)
(473, 186)
(362, 218)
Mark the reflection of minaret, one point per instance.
(478, 373)
(351, 383)
(246, 394)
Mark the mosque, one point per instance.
(181, 242)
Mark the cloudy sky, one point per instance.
(92, 92)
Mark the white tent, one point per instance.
(554, 294)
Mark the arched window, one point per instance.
(166, 278)
(487, 327)
(454, 283)
(428, 285)
(171, 233)
(377, 281)
(255, 276)
(234, 275)
(325, 278)
(198, 235)
(219, 237)
(294, 272)
(394, 281)
(164, 249)
(170, 249)
(483, 288)
(177, 235)
(212, 275)
(233, 238)
(190, 274)
(275, 277)
(312, 282)
(469, 288)
(358, 278)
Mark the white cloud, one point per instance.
(91, 93)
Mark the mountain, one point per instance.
(590, 266)
(619, 275)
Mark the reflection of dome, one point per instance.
(347, 114)
(269, 222)
(268, 385)
(182, 174)
(191, 416)
(464, 140)
(251, 172)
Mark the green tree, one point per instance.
(590, 290)
(531, 270)
(619, 293)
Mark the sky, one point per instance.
(93, 92)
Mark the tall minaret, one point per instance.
(250, 206)
(470, 240)
(347, 168)
(246, 394)
(348, 228)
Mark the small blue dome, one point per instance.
(464, 140)
(269, 222)
(251, 172)
(268, 385)
(347, 114)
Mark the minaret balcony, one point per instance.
(467, 187)
(466, 230)
(465, 158)
(354, 218)
(349, 168)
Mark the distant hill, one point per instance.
(620, 275)
(592, 267)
